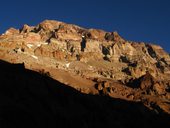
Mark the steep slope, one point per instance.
(66, 42)
(93, 61)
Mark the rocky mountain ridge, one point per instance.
(92, 61)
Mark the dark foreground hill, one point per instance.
(32, 100)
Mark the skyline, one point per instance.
(140, 21)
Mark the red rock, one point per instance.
(77, 56)
(12, 31)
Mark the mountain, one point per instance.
(102, 73)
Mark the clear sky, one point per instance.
(136, 20)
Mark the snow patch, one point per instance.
(67, 65)
(45, 43)
(29, 45)
(38, 45)
(35, 57)
(7, 32)
(19, 50)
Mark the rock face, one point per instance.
(93, 61)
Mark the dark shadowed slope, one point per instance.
(29, 99)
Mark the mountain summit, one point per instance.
(92, 61)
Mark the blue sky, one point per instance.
(136, 20)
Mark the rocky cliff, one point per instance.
(93, 61)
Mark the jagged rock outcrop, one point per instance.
(92, 61)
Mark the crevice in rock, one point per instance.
(151, 52)
(83, 43)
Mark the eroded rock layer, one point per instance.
(92, 61)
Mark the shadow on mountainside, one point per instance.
(31, 100)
